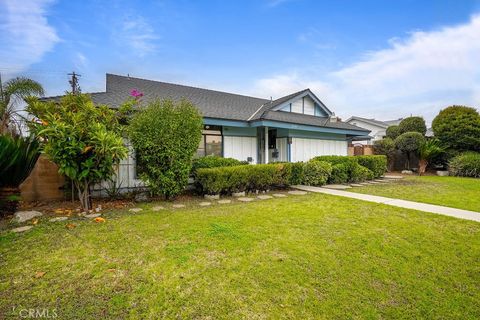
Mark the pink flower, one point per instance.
(136, 94)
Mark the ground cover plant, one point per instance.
(312, 256)
(456, 192)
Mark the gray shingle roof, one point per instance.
(212, 104)
(299, 118)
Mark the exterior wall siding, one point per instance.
(240, 148)
(305, 149)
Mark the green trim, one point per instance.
(285, 125)
(225, 122)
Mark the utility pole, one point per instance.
(74, 82)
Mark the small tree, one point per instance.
(13, 92)
(393, 132)
(165, 136)
(409, 143)
(428, 151)
(458, 128)
(385, 147)
(84, 140)
(413, 124)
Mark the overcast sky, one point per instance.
(379, 59)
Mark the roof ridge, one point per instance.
(181, 85)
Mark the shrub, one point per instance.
(294, 173)
(360, 173)
(240, 178)
(340, 173)
(346, 168)
(83, 139)
(18, 156)
(409, 143)
(428, 151)
(385, 147)
(465, 165)
(393, 132)
(413, 124)
(336, 159)
(458, 128)
(377, 164)
(316, 173)
(166, 135)
(213, 161)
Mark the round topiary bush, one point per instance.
(385, 147)
(413, 124)
(393, 132)
(458, 128)
(409, 143)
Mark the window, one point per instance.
(211, 142)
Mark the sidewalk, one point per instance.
(447, 211)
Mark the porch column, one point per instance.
(266, 144)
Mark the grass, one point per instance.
(455, 192)
(313, 256)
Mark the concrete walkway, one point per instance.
(447, 211)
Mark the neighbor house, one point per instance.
(295, 127)
(377, 128)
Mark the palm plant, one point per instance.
(18, 156)
(13, 92)
(428, 150)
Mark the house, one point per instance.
(377, 128)
(295, 127)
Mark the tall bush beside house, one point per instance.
(385, 147)
(18, 156)
(409, 143)
(466, 164)
(412, 124)
(84, 140)
(428, 151)
(165, 136)
(458, 128)
(377, 164)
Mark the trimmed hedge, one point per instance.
(355, 168)
(376, 163)
(340, 173)
(316, 173)
(215, 161)
(227, 180)
(465, 165)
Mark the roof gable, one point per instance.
(284, 101)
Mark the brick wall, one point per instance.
(43, 183)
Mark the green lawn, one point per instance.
(313, 256)
(456, 192)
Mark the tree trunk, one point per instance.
(422, 166)
(84, 195)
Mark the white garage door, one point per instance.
(306, 149)
(240, 148)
